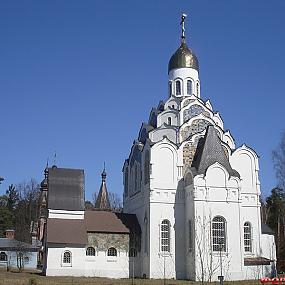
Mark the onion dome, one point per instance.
(183, 57)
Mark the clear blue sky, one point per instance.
(80, 77)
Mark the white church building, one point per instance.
(196, 194)
(191, 202)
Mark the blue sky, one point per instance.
(79, 78)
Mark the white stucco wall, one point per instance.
(99, 265)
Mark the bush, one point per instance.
(32, 281)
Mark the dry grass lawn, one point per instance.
(15, 278)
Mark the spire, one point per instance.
(182, 24)
(102, 201)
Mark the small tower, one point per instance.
(102, 201)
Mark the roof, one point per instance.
(251, 261)
(102, 201)
(210, 151)
(65, 189)
(66, 231)
(266, 230)
(183, 57)
(110, 222)
(13, 244)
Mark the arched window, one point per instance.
(112, 251)
(146, 167)
(126, 181)
(219, 234)
(3, 256)
(90, 251)
(165, 236)
(170, 88)
(133, 252)
(169, 121)
(66, 257)
(178, 87)
(197, 89)
(189, 87)
(247, 237)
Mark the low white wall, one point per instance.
(99, 265)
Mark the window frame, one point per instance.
(165, 237)
(249, 233)
(133, 252)
(216, 246)
(89, 249)
(178, 87)
(169, 121)
(110, 250)
(4, 254)
(191, 87)
(68, 262)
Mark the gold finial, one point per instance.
(182, 23)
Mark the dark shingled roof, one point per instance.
(65, 189)
(66, 231)
(252, 261)
(210, 151)
(266, 230)
(12, 244)
(110, 222)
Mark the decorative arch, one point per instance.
(197, 126)
(193, 111)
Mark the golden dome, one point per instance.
(183, 57)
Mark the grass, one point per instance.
(26, 278)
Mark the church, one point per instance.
(191, 201)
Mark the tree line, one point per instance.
(18, 208)
(20, 203)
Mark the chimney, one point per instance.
(9, 234)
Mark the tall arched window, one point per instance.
(90, 251)
(66, 257)
(170, 88)
(169, 121)
(126, 180)
(112, 251)
(247, 237)
(219, 234)
(146, 167)
(178, 87)
(189, 87)
(197, 89)
(165, 236)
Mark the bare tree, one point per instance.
(27, 209)
(278, 156)
(22, 255)
(115, 200)
(208, 263)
